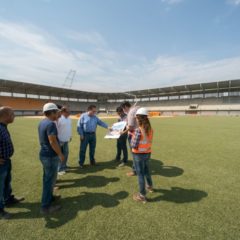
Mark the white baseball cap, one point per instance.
(49, 107)
(142, 111)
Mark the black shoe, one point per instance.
(117, 159)
(50, 209)
(4, 215)
(13, 200)
(94, 164)
(56, 198)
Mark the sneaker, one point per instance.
(4, 215)
(81, 166)
(13, 200)
(56, 188)
(131, 174)
(50, 209)
(139, 198)
(117, 159)
(61, 173)
(121, 164)
(149, 189)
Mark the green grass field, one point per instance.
(195, 168)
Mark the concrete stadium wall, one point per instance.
(209, 106)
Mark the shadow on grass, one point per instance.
(72, 206)
(93, 169)
(89, 182)
(157, 168)
(179, 195)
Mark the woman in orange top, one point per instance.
(141, 147)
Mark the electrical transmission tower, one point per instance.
(132, 95)
(69, 78)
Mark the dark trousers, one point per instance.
(122, 148)
(5, 183)
(91, 140)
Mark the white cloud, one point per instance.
(234, 2)
(30, 54)
(178, 71)
(93, 38)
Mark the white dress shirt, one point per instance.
(64, 126)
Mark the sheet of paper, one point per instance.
(116, 129)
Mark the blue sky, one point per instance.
(120, 45)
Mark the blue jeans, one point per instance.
(50, 169)
(5, 182)
(122, 148)
(129, 141)
(141, 162)
(65, 150)
(92, 141)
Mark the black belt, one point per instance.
(89, 132)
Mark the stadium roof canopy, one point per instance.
(37, 89)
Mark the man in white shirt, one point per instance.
(64, 126)
(131, 126)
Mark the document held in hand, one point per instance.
(116, 129)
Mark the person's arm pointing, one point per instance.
(101, 123)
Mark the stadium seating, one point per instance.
(26, 106)
(22, 103)
(217, 98)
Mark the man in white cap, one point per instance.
(50, 153)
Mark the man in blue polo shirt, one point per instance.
(6, 152)
(86, 127)
(50, 155)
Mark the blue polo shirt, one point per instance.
(46, 128)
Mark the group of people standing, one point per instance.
(55, 133)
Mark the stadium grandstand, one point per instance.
(214, 98)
